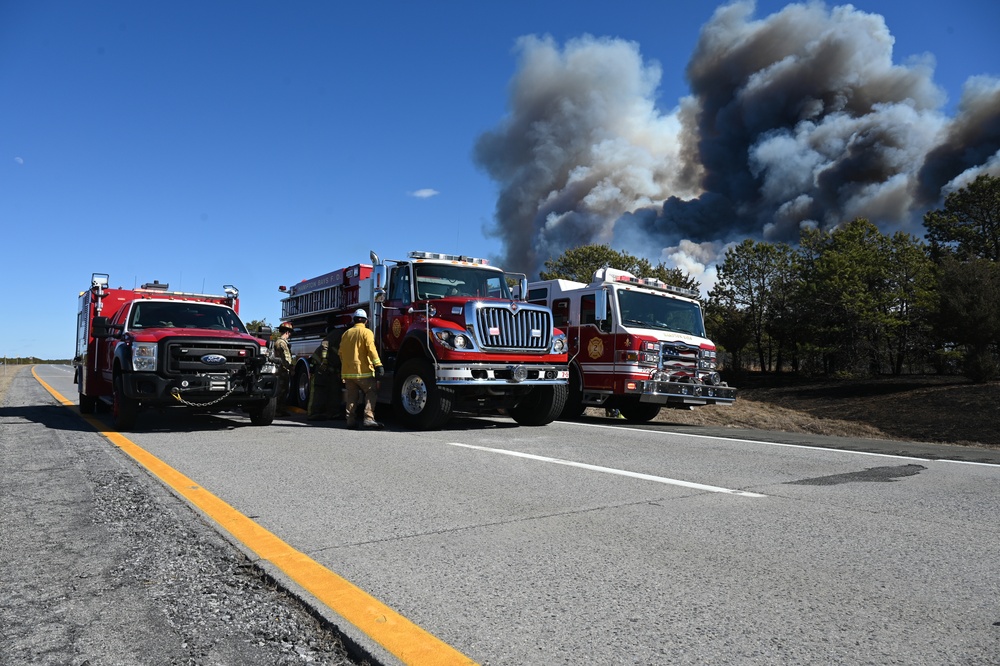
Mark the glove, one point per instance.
(379, 371)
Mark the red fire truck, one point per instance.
(636, 345)
(150, 347)
(449, 333)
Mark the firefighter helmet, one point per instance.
(360, 314)
(285, 326)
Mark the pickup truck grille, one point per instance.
(499, 328)
(185, 357)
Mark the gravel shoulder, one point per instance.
(102, 565)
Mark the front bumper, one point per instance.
(688, 393)
(501, 374)
(153, 389)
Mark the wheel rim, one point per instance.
(303, 388)
(413, 394)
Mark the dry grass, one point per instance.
(912, 408)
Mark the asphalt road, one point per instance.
(596, 543)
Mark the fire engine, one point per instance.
(449, 333)
(151, 347)
(636, 345)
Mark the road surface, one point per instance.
(596, 543)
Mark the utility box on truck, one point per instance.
(151, 347)
(449, 333)
(636, 345)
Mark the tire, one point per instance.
(573, 407)
(300, 388)
(639, 412)
(124, 409)
(541, 406)
(88, 404)
(418, 402)
(264, 414)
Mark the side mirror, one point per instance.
(601, 311)
(523, 286)
(99, 328)
(264, 333)
(600, 305)
(379, 273)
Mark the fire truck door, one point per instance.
(597, 352)
(395, 317)
(107, 347)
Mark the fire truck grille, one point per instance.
(678, 357)
(197, 356)
(526, 329)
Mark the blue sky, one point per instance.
(262, 143)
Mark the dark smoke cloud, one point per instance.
(798, 119)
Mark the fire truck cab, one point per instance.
(635, 344)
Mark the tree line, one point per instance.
(851, 301)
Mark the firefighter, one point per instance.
(283, 358)
(326, 389)
(361, 368)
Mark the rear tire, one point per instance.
(124, 409)
(541, 406)
(417, 400)
(639, 412)
(264, 415)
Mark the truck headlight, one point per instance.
(559, 344)
(453, 339)
(144, 357)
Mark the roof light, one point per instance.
(439, 256)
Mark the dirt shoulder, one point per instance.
(918, 408)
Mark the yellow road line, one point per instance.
(401, 637)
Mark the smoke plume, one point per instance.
(799, 119)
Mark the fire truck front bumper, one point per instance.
(688, 393)
(500, 374)
(151, 388)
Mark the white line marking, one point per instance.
(609, 470)
(795, 446)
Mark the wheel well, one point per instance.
(411, 349)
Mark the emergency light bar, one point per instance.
(614, 275)
(447, 257)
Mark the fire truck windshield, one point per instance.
(184, 314)
(439, 281)
(645, 310)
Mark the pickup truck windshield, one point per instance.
(645, 310)
(186, 314)
(439, 281)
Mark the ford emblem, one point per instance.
(213, 359)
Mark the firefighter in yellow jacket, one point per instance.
(361, 369)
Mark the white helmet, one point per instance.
(360, 314)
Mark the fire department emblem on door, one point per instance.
(595, 348)
(397, 328)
